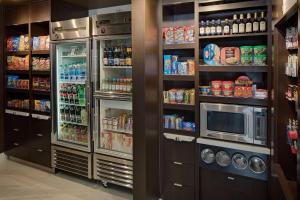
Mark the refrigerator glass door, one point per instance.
(113, 127)
(113, 65)
(72, 94)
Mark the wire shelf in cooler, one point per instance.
(117, 67)
(73, 82)
(74, 56)
(72, 104)
(73, 123)
(118, 131)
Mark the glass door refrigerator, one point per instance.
(112, 86)
(71, 134)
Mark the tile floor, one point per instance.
(19, 182)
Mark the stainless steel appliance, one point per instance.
(70, 55)
(234, 123)
(112, 86)
(242, 160)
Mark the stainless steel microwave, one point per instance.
(236, 123)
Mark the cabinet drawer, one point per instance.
(41, 127)
(41, 134)
(230, 186)
(176, 191)
(40, 156)
(183, 152)
(180, 173)
(16, 124)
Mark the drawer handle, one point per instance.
(40, 135)
(178, 185)
(16, 144)
(177, 163)
(39, 150)
(230, 178)
(16, 129)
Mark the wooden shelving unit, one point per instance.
(287, 163)
(179, 78)
(234, 100)
(235, 68)
(211, 37)
(179, 106)
(22, 19)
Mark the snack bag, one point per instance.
(43, 41)
(9, 44)
(22, 43)
(36, 43)
(189, 33)
(16, 42)
(48, 42)
(168, 35)
(179, 34)
(27, 42)
(26, 63)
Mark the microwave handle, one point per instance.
(260, 126)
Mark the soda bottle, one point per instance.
(75, 95)
(62, 113)
(61, 93)
(81, 94)
(69, 94)
(78, 115)
(82, 70)
(67, 114)
(72, 114)
(66, 72)
(62, 74)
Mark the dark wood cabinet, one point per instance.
(28, 138)
(179, 170)
(218, 185)
(16, 130)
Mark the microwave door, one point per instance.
(227, 122)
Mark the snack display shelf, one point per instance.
(41, 72)
(179, 132)
(41, 92)
(179, 106)
(233, 68)
(17, 71)
(179, 77)
(234, 100)
(234, 36)
(17, 53)
(40, 52)
(232, 6)
(118, 131)
(17, 90)
(18, 109)
(179, 46)
(41, 113)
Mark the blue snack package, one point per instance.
(16, 42)
(211, 54)
(167, 64)
(36, 43)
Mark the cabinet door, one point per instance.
(16, 130)
(218, 185)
